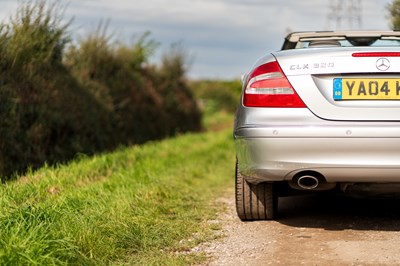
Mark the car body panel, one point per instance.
(276, 145)
(279, 159)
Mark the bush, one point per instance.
(178, 99)
(146, 102)
(46, 115)
(91, 97)
(217, 95)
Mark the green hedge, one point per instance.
(217, 95)
(60, 99)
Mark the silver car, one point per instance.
(321, 114)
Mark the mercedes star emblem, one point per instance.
(382, 64)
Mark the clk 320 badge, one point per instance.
(312, 66)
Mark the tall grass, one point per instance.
(144, 205)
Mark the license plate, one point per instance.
(366, 89)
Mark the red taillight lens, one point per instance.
(268, 87)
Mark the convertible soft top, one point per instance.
(357, 38)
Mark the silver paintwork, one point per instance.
(345, 141)
(275, 145)
(314, 85)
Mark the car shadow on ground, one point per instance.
(339, 212)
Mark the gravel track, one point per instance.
(311, 230)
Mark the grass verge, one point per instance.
(143, 205)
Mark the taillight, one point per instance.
(376, 54)
(268, 87)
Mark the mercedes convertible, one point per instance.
(322, 114)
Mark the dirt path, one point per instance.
(312, 230)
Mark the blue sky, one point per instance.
(222, 37)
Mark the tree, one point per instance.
(394, 10)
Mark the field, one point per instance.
(139, 205)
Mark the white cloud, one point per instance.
(224, 36)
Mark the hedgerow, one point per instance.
(59, 98)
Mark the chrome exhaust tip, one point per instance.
(308, 182)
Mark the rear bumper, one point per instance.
(340, 153)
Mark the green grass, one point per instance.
(143, 205)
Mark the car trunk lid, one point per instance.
(346, 83)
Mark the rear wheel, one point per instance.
(255, 201)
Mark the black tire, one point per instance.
(255, 201)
